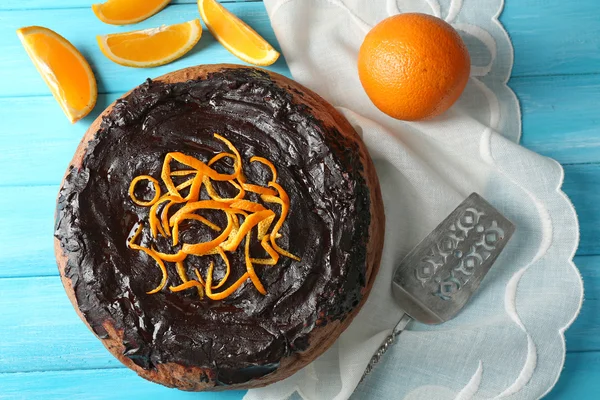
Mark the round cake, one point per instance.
(219, 227)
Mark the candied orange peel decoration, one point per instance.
(243, 216)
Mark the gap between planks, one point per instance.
(38, 371)
(521, 77)
(179, 3)
(120, 92)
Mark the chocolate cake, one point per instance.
(219, 227)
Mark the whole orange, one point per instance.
(413, 66)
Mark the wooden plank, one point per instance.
(584, 334)
(109, 384)
(18, 76)
(553, 37)
(36, 136)
(583, 188)
(44, 4)
(579, 379)
(560, 116)
(39, 330)
(28, 219)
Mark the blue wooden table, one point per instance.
(45, 350)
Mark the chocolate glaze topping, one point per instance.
(246, 335)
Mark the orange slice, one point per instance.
(123, 12)
(151, 47)
(237, 37)
(65, 71)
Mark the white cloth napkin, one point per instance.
(508, 341)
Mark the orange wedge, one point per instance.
(65, 71)
(151, 47)
(235, 35)
(123, 12)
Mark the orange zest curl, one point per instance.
(250, 268)
(219, 156)
(185, 184)
(250, 222)
(156, 190)
(184, 172)
(268, 164)
(184, 286)
(243, 215)
(177, 257)
(205, 221)
(258, 189)
(204, 247)
(228, 270)
(189, 285)
(155, 224)
(212, 193)
(247, 205)
(227, 292)
(267, 261)
(284, 201)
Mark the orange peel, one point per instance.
(220, 156)
(202, 248)
(124, 12)
(227, 292)
(156, 190)
(165, 213)
(238, 159)
(197, 205)
(183, 276)
(250, 268)
(247, 205)
(155, 225)
(258, 189)
(185, 184)
(268, 163)
(243, 216)
(274, 255)
(237, 37)
(184, 172)
(212, 193)
(64, 69)
(250, 222)
(200, 218)
(284, 201)
(227, 266)
(151, 47)
(177, 257)
(188, 285)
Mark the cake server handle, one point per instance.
(389, 340)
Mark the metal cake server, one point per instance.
(439, 276)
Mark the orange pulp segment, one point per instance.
(123, 12)
(237, 37)
(64, 69)
(151, 47)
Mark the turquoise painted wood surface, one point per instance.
(82, 29)
(47, 353)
